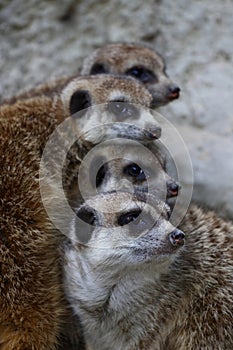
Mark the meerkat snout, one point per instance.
(172, 188)
(174, 92)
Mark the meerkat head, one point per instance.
(122, 174)
(138, 61)
(113, 99)
(120, 229)
(126, 166)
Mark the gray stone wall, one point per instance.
(41, 40)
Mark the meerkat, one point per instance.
(136, 60)
(119, 94)
(125, 114)
(136, 286)
(127, 166)
(112, 266)
(32, 301)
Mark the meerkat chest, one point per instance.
(127, 324)
(120, 335)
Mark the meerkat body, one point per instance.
(131, 295)
(135, 60)
(30, 286)
(31, 297)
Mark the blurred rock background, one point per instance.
(42, 40)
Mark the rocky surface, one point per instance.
(41, 40)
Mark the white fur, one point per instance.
(111, 287)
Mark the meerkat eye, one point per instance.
(126, 218)
(98, 68)
(123, 110)
(135, 171)
(143, 74)
(87, 215)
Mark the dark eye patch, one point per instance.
(135, 171)
(123, 110)
(143, 74)
(126, 218)
(87, 215)
(101, 174)
(98, 68)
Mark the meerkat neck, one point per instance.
(108, 298)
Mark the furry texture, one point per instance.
(136, 60)
(33, 309)
(129, 299)
(30, 287)
(131, 167)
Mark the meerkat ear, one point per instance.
(98, 68)
(80, 100)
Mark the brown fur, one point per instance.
(48, 89)
(117, 59)
(200, 286)
(121, 58)
(30, 286)
(32, 304)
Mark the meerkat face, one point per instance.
(139, 62)
(129, 167)
(123, 174)
(123, 230)
(112, 99)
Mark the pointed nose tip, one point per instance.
(155, 131)
(172, 189)
(177, 237)
(174, 92)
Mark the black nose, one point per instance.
(155, 131)
(174, 92)
(172, 189)
(177, 237)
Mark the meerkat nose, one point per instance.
(155, 131)
(177, 237)
(173, 189)
(174, 92)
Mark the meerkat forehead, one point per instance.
(106, 88)
(119, 57)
